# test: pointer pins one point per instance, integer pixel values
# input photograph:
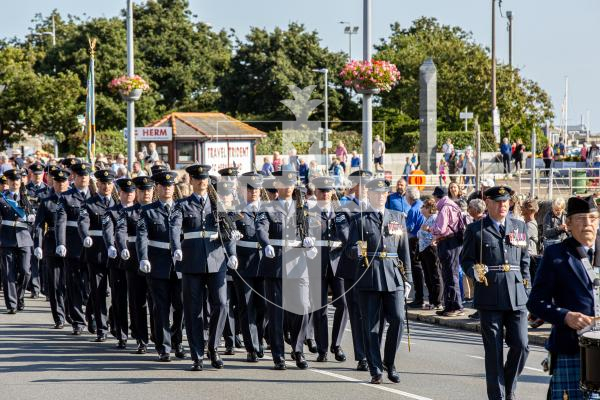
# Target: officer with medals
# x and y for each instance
(45, 245)
(95, 254)
(117, 269)
(36, 189)
(281, 233)
(249, 285)
(15, 243)
(137, 285)
(495, 255)
(69, 245)
(202, 260)
(352, 204)
(565, 293)
(378, 240)
(156, 259)
(330, 230)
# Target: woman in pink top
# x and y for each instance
(341, 153)
(276, 161)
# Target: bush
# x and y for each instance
(274, 142)
(460, 140)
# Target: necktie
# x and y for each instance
(590, 253)
(201, 201)
(106, 201)
(16, 197)
(501, 230)
(168, 208)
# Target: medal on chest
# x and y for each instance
(517, 238)
(394, 228)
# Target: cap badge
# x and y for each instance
(380, 184)
(105, 173)
(501, 191)
(167, 177)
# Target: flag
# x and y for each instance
(90, 107)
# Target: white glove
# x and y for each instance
(178, 255)
(232, 262)
(125, 254)
(112, 252)
(269, 252)
(236, 235)
(476, 274)
(88, 242)
(37, 252)
(145, 266)
(407, 288)
(312, 252)
(308, 242)
(61, 251)
(31, 218)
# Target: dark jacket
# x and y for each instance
(248, 257)
(125, 235)
(153, 241)
(109, 224)
(562, 285)
(66, 222)
(90, 224)
(331, 232)
(505, 290)
(44, 236)
(14, 230)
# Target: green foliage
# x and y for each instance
(274, 142)
(460, 140)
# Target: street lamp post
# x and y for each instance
(349, 30)
(509, 15)
(130, 102)
(367, 111)
(325, 73)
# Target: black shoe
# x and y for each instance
(60, 325)
(164, 357)
(34, 295)
(322, 357)
(77, 331)
(415, 304)
(229, 351)
(261, 352)
(280, 365)
(301, 361)
(475, 315)
(197, 366)
(312, 346)
(142, 348)
(362, 366)
(122, 344)
(251, 357)
(179, 351)
(20, 307)
(238, 342)
(100, 338)
(12, 311)
(92, 328)
(339, 353)
(393, 375)
(293, 356)
(215, 359)
(377, 380)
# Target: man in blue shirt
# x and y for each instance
(506, 150)
(414, 220)
(397, 200)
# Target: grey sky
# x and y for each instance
(552, 38)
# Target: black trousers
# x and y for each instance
(78, 291)
(36, 280)
(57, 288)
(99, 284)
(506, 163)
(501, 377)
(252, 308)
(194, 288)
(340, 316)
(16, 263)
(166, 293)
(353, 304)
(417, 269)
(232, 321)
(137, 291)
(118, 287)
(448, 254)
(433, 274)
(377, 307)
(297, 324)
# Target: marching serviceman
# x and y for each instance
(564, 294)
(95, 254)
(45, 245)
(15, 242)
(379, 241)
(203, 262)
(117, 269)
(36, 190)
(249, 286)
(329, 227)
(137, 285)
(352, 204)
(69, 245)
(153, 244)
(495, 255)
(280, 232)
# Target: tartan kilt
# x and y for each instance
(566, 377)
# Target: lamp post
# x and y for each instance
(130, 102)
(325, 72)
(367, 104)
(2, 87)
(509, 15)
(349, 30)
(50, 33)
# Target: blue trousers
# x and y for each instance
(449, 254)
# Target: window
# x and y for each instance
(185, 152)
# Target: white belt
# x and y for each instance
(285, 243)
(245, 243)
(15, 224)
(160, 245)
(72, 224)
(201, 235)
(328, 243)
(504, 268)
(93, 232)
(131, 239)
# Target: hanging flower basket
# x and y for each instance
(370, 77)
(130, 88)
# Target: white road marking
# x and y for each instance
(529, 368)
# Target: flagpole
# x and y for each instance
(90, 109)
(130, 102)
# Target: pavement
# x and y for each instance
(39, 362)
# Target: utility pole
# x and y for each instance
(509, 15)
(495, 111)
(349, 30)
(367, 111)
(130, 102)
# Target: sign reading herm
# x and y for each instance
(153, 134)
